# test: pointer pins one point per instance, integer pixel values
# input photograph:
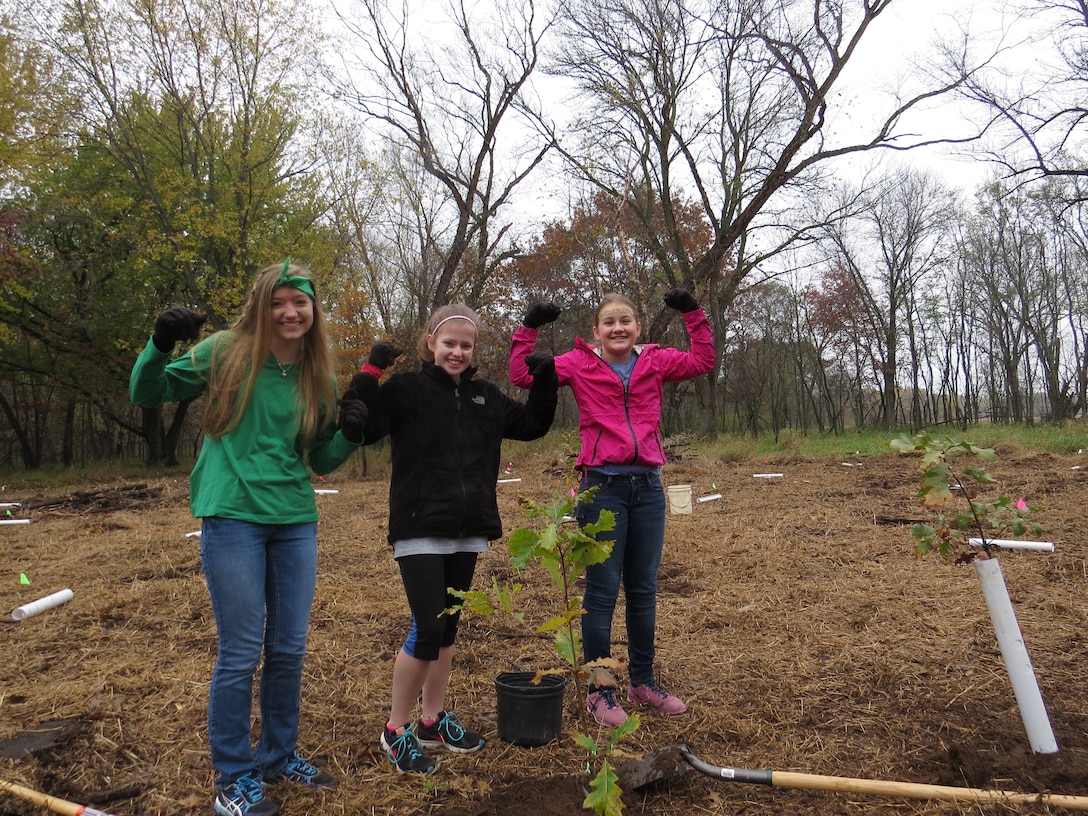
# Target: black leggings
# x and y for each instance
(426, 578)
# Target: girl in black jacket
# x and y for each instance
(446, 429)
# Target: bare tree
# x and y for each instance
(459, 99)
(999, 251)
(893, 246)
(1043, 110)
(730, 99)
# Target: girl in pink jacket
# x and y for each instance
(618, 387)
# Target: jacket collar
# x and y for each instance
(579, 343)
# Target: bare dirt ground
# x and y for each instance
(793, 618)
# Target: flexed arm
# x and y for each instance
(521, 345)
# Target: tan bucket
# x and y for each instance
(680, 499)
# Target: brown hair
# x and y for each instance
(444, 313)
(238, 354)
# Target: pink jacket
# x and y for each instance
(616, 427)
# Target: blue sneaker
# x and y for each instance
(402, 749)
(244, 797)
(301, 772)
(447, 732)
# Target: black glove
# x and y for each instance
(542, 367)
(383, 355)
(682, 300)
(353, 414)
(177, 323)
(361, 387)
(541, 314)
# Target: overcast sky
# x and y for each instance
(902, 39)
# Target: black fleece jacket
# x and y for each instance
(447, 447)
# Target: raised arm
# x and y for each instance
(687, 365)
(521, 345)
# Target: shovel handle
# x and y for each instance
(61, 806)
(911, 790)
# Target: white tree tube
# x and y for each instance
(36, 607)
(1012, 544)
(1015, 654)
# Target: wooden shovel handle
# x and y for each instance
(62, 806)
(915, 790)
(879, 787)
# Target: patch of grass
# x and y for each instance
(1062, 439)
(55, 477)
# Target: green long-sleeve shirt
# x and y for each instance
(256, 472)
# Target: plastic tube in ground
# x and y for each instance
(1011, 544)
(37, 607)
(1015, 654)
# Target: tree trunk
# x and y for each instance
(151, 422)
(30, 453)
(162, 443)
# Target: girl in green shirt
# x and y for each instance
(269, 410)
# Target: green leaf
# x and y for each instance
(587, 744)
(628, 726)
(924, 536)
(568, 645)
(604, 798)
(935, 490)
(605, 522)
(522, 545)
(979, 475)
(904, 444)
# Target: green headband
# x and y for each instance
(303, 284)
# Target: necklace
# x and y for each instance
(283, 368)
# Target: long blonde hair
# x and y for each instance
(239, 353)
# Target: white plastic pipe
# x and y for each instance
(1015, 654)
(37, 607)
(711, 497)
(766, 475)
(326, 492)
(14, 521)
(1011, 544)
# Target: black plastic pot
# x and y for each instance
(529, 715)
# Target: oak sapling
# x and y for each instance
(990, 518)
(564, 550)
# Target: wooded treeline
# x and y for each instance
(160, 152)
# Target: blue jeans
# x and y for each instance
(639, 535)
(261, 578)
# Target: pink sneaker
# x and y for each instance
(604, 708)
(653, 695)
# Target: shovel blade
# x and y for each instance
(661, 764)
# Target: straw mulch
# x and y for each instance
(793, 618)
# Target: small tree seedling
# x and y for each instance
(990, 518)
(564, 550)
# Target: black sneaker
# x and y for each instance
(404, 752)
(244, 797)
(301, 772)
(447, 732)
